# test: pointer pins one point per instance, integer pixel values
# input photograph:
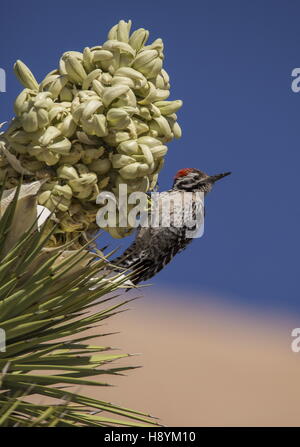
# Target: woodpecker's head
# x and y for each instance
(194, 180)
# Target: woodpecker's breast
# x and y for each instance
(179, 209)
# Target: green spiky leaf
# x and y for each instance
(46, 305)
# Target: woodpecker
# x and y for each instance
(154, 247)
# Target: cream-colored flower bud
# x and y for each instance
(140, 126)
(144, 169)
(62, 146)
(77, 184)
(159, 151)
(58, 112)
(122, 80)
(138, 38)
(87, 60)
(66, 94)
(176, 129)
(68, 126)
(144, 113)
(76, 54)
(123, 31)
(43, 100)
(67, 172)
(130, 171)
(152, 68)
(134, 170)
(95, 74)
(58, 198)
(98, 87)
(157, 44)
(85, 187)
(74, 69)
(48, 79)
(106, 79)
(51, 145)
(91, 106)
(155, 112)
(168, 107)
(161, 95)
(118, 118)
(166, 77)
(30, 121)
(162, 127)
(42, 118)
(25, 76)
(147, 153)
(77, 110)
(82, 95)
(113, 33)
(149, 141)
(161, 81)
(125, 60)
(121, 47)
(129, 147)
(143, 58)
(22, 101)
(49, 136)
(54, 84)
(151, 94)
(138, 79)
(110, 94)
(154, 132)
(44, 197)
(132, 130)
(109, 66)
(101, 56)
(121, 160)
(128, 99)
(32, 109)
(99, 125)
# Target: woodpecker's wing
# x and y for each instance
(152, 249)
(155, 246)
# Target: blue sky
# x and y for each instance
(230, 62)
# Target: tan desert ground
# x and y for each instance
(205, 363)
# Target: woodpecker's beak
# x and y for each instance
(214, 178)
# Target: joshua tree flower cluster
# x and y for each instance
(100, 119)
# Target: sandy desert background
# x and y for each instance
(205, 363)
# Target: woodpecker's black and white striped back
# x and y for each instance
(155, 247)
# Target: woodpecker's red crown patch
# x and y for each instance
(183, 172)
